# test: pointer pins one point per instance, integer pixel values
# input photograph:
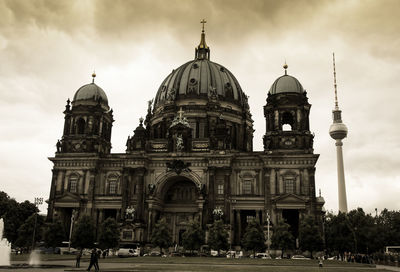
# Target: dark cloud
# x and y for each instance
(48, 49)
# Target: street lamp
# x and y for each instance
(268, 238)
(73, 215)
(38, 201)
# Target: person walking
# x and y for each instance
(93, 260)
(78, 259)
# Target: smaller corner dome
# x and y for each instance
(91, 93)
(286, 84)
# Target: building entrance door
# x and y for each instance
(292, 218)
(180, 206)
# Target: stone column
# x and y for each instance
(211, 193)
(126, 191)
(311, 172)
(62, 181)
(118, 215)
(139, 174)
(267, 190)
(149, 222)
(50, 208)
(272, 182)
(101, 215)
(239, 225)
(281, 185)
(92, 190)
(227, 194)
(298, 187)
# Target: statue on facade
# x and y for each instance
(179, 143)
(58, 145)
(130, 213)
(128, 143)
(218, 213)
(152, 188)
(171, 94)
(213, 93)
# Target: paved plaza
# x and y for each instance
(150, 264)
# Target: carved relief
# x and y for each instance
(192, 86)
(178, 166)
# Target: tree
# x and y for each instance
(161, 235)
(83, 234)
(193, 237)
(218, 237)
(338, 234)
(310, 237)
(253, 238)
(25, 231)
(54, 234)
(362, 227)
(109, 234)
(282, 238)
(14, 215)
(388, 225)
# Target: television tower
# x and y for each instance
(338, 131)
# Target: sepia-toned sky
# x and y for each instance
(48, 49)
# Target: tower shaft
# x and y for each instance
(341, 180)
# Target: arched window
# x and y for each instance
(73, 183)
(81, 126)
(287, 121)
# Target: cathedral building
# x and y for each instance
(190, 157)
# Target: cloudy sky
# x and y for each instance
(48, 49)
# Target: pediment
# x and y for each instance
(289, 198)
(68, 197)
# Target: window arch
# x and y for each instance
(287, 121)
(81, 124)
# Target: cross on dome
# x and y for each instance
(202, 50)
(203, 22)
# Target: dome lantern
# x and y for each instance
(202, 50)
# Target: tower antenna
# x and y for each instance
(334, 83)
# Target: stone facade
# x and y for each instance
(192, 154)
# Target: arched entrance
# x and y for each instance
(181, 204)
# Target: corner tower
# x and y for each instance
(338, 131)
(88, 122)
(287, 117)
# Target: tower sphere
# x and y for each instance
(338, 131)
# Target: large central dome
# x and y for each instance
(200, 78)
(202, 103)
